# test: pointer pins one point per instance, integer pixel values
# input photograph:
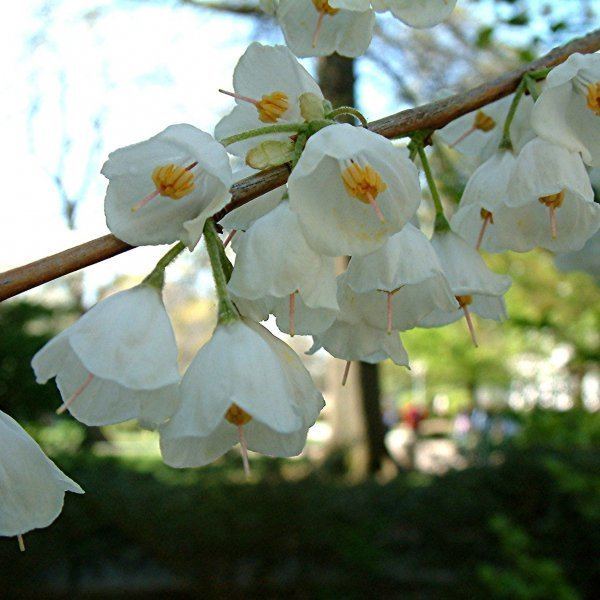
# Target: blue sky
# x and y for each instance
(136, 67)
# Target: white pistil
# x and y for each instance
(293, 314)
(315, 39)
(240, 97)
(470, 325)
(244, 450)
(21, 543)
(553, 226)
(346, 371)
(463, 137)
(229, 238)
(375, 207)
(75, 395)
(390, 297)
(486, 221)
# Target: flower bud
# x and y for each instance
(311, 107)
(270, 154)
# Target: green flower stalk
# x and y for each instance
(227, 312)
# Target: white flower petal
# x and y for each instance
(32, 488)
(163, 220)
(334, 222)
(347, 32)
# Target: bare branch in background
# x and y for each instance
(429, 116)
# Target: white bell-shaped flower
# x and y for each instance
(316, 28)
(550, 201)
(478, 134)
(359, 341)
(352, 189)
(267, 84)
(485, 193)
(243, 385)
(418, 13)
(350, 338)
(397, 286)
(32, 487)
(274, 263)
(568, 109)
(117, 362)
(163, 189)
(476, 288)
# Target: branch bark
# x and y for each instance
(429, 116)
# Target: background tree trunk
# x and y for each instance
(363, 437)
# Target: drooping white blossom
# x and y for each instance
(567, 112)
(350, 338)
(486, 193)
(351, 190)
(550, 201)
(418, 13)
(268, 82)
(32, 487)
(274, 263)
(477, 289)
(163, 189)
(246, 385)
(117, 362)
(316, 28)
(478, 134)
(414, 13)
(397, 286)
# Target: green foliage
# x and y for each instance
(520, 529)
(25, 329)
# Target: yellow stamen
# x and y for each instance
(464, 300)
(483, 121)
(362, 182)
(237, 416)
(271, 106)
(173, 181)
(553, 200)
(593, 97)
(322, 6)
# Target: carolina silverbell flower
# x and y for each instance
(268, 82)
(117, 362)
(485, 193)
(163, 189)
(417, 13)
(351, 190)
(244, 385)
(316, 28)
(478, 134)
(32, 487)
(568, 109)
(476, 288)
(350, 338)
(550, 201)
(397, 286)
(274, 263)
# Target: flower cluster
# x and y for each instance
(322, 27)
(352, 197)
(533, 187)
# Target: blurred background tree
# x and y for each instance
(496, 495)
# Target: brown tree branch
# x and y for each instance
(429, 116)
